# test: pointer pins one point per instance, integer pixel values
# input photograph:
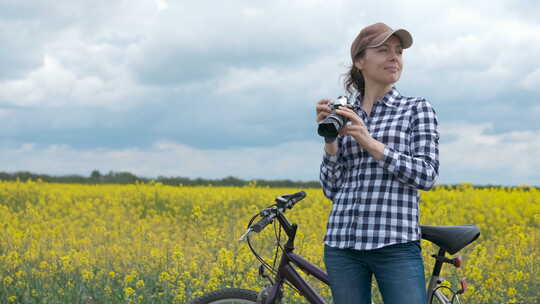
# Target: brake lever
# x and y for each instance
(266, 212)
(245, 235)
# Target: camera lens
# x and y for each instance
(330, 126)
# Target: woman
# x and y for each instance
(372, 174)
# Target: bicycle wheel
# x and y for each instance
(228, 296)
(444, 296)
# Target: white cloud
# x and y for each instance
(465, 49)
(238, 79)
(471, 153)
(313, 78)
(129, 53)
(162, 5)
(468, 54)
(532, 81)
(474, 148)
(54, 84)
(293, 160)
(252, 12)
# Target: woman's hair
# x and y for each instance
(354, 80)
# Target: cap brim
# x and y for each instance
(403, 35)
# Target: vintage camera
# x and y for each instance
(330, 126)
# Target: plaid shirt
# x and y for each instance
(375, 202)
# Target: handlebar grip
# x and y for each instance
(298, 196)
(291, 199)
(260, 225)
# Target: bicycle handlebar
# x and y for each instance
(260, 225)
(289, 200)
(283, 202)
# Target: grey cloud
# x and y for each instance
(29, 27)
(80, 127)
(194, 43)
(179, 65)
(21, 49)
(207, 121)
(22, 10)
(212, 76)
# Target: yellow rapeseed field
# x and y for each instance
(150, 243)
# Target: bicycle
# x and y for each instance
(449, 239)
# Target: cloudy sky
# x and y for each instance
(201, 89)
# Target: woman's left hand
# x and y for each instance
(357, 129)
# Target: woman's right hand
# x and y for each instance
(322, 109)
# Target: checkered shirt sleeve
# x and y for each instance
(420, 169)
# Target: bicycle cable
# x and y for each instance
(283, 249)
(278, 240)
(259, 258)
(265, 264)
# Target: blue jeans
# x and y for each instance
(398, 269)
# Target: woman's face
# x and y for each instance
(382, 64)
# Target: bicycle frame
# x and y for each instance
(287, 273)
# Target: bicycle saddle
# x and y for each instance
(450, 238)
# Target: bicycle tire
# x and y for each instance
(447, 295)
(228, 296)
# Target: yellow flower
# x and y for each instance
(43, 265)
(12, 299)
(129, 278)
(8, 280)
(55, 233)
(128, 291)
(87, 275)
(165, 277)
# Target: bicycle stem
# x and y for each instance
(290, 230)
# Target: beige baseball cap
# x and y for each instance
(375, 35)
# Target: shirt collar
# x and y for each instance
(391, 99)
